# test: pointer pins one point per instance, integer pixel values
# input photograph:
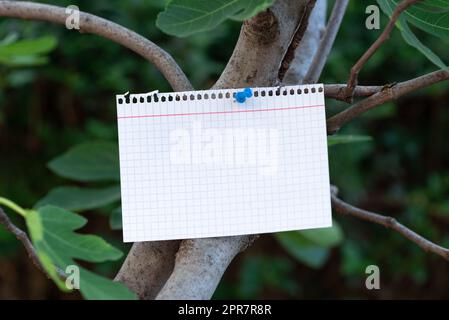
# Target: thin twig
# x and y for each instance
(353, 76)
(296, 39)
(28, 245)
(90, 23)
(337, 91)
(22, 237)
(388, 222)
(326, 43)
(386, 94)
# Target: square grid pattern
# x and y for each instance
(256, 167)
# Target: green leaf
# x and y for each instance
(10, 38)
(252, 7)
(431, 17)
(185, 17)
(303, 250)
(95, 287)
(413, 41)
(22, 61)
(55, 230)
(52, 232)
(28, 47)
(28, 52)
(324, 237)
(409, 37)
(77, 199)
(115, 219)
(341, 138)
(92, 161)
(311, 246)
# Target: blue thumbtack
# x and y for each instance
(241, 96)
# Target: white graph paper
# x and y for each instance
(199, 164)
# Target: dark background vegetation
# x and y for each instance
(402, 172)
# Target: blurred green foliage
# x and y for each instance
(48, 109)
(22, 53)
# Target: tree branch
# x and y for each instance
(200, 264)
(261, 46)
(22, 237)
(337, 91)
(387, 93)
(327, 42)
(388, 222)
(308, 46)
(90, 23)
(28, 245)
(385, 35)
(296, 39)
(148, 266)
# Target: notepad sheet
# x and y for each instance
(199, 164)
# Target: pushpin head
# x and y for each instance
(240, 97)
(248, 92)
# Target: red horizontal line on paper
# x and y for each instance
(216, 112)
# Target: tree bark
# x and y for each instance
(256, 60)
(147, 267)
(309, 46)
(200, 264)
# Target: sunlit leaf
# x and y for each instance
(28, 52)
(28, 47)
(52, 232)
